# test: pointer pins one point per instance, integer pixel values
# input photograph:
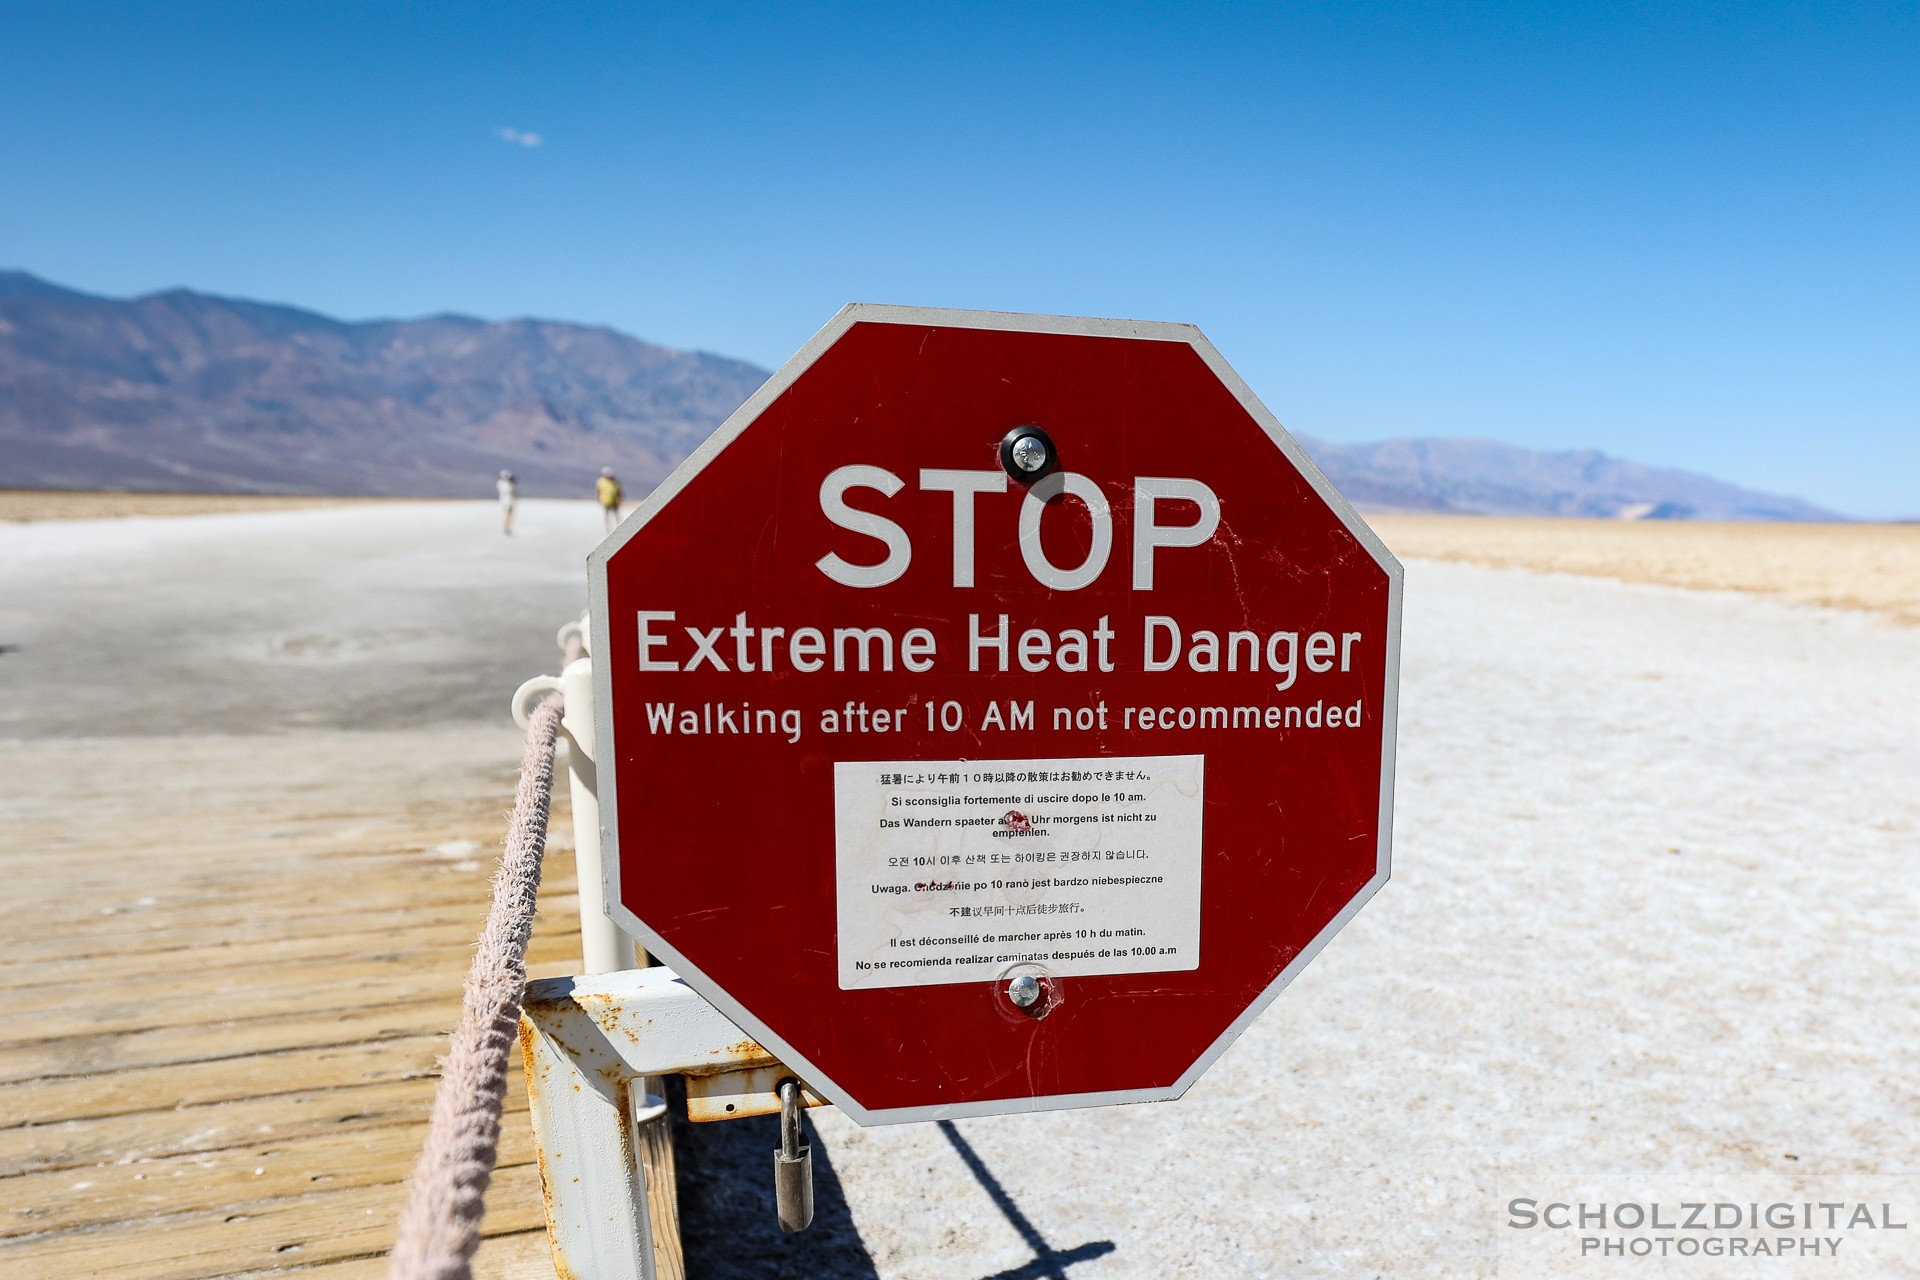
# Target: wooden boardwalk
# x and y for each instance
(234, 965)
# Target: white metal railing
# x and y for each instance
(596, 1047)
(604, 946)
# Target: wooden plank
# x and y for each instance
(216, 1126)
(228, 1001)
(440, 933)
(319, 988)
(519, 1255)
(275, 893)
(187, 1040)
(275, 898)
(319, 1226)
(165, 1046)
(295, 898)
(657, 1170)
(276, 1000)
(264, 1169)
(92, 832)
(321, 919)
(194, 1083)
(93, 841)
(158, 923)
(80, 975)
(105, 862)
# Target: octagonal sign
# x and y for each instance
(995, 713)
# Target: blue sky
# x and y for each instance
(1688, 235)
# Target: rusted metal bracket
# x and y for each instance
(587, 1042)
(730, 1095)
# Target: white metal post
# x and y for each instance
(605, 946)
(632, 1107)
(599, 1119)
(587, 1042)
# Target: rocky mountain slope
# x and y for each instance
(185, 391)
(180, 390)
(1489, 478)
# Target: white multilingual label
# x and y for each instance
(964, 870)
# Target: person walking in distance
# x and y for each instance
(509, 490)
(609, 490)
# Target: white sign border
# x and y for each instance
(605, 756)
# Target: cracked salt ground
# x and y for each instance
(1646, 938)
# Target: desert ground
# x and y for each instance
(20, 506)
(1873, 567)
(1651, 933)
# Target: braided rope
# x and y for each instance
(440, 1227)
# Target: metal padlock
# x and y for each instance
(792, 1165)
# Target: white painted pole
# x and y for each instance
(647, 1239)
(606, 947)
(590, 1042)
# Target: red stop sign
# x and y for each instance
(995, 713)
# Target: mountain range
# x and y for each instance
(180, 390)
(187, 391)
(1485, 477)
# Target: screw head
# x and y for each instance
(1024, 990)
(1027, 454)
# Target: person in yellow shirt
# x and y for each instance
(608, 489)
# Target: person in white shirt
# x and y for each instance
(509, 489)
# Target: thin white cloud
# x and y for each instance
(519, 137)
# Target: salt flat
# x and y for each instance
(1651, 933)
(363, 616)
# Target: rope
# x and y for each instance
(440, 1227)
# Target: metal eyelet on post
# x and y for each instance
(792, 1165)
